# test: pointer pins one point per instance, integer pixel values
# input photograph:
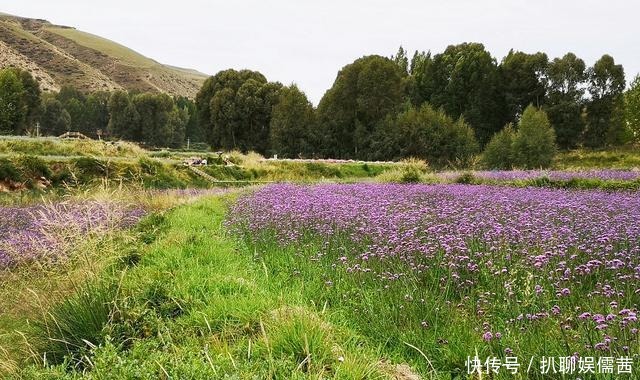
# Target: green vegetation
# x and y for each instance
(224, 311)
(531, 146)
(618, 158)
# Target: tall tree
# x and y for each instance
(55, 120)
(606, 86)
(632, 108)
(154, 111)
(13, 110)
(31, 97)
(524, 77)
(97, 117)
(178, 120)
(74, 102)
(124, 120)
(464, 81)
(363, 94)
(193, 129)
(292, 124)
(220, 128)
(565, 99)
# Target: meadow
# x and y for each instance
(345, 270)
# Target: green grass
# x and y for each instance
(193, 303)
(617, 158)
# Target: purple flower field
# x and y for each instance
(45, 232)
(511, 257)
(560, 175)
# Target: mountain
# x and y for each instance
(57, 55)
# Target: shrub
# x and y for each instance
(411, 170)
(34, 167)
(498, 154)
(534, 146)
(427, 134)
(8, 172)
(90, 166)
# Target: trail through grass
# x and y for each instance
(193, 303)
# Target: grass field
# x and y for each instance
(335, 281)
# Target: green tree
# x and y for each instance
(154, 111)
(292, 124)
(55, 120)
(498, 154)
(427, 134)
(401, 60)
(534, 145)
(221, 127)
(565, 94)
(464, 80)
(524, 80)
(124, 120)
(97, 114)
(193, 129)
(13, 110)
(74, 102)
(632, 108)
(31, 97)
(606, 86)
(363, 94)
(178, 120)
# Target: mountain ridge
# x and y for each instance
(60, 55)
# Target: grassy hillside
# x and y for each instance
(59, 55)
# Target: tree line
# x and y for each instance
(443, 107)
(157, 120)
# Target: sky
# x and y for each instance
(307, 42)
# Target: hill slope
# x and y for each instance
(59, 55)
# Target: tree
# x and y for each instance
(74, 102)
(524, 80)
(97, 114)
(193, 129)
(401, 60)
(632, 108)
(55, 120)
(222, 126)
(292, 124)
(427, 134)
(534, 145)
(464, 80)
(498, 154)
(564, 103)
(124, 120)
(31, 97)
(363, 94)
(13, 110)
(178, 120)
(154, 110)
(606, 85)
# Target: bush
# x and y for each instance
(8, 172)
(34, 167)
(427, 134)
(91, 167)
(534, 146)
(411, 170)
(498, 154)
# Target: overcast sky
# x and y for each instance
(307, 42)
